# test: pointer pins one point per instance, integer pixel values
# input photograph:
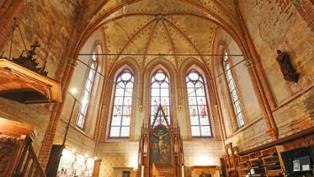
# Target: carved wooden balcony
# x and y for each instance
(26, 86)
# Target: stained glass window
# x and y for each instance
(160, 96)
(198, 106)
(232, 90)
(121, 109)
(87, 91)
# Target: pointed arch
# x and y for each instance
(211, 98)
(125, 62)
(198, 104)
(93, 64)
(232, 88)
(198, 101)
(165, 95)
(112, 74)
(121, 106)
(160, 97)
(223, 67)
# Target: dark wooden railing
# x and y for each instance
(28, 164)
(17, 157)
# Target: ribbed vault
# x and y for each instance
(159, 27)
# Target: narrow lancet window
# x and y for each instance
(160, 96)
(233, 91)
(122, 103)
(87, 91)
(198, 106)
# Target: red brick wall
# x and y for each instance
(306, 10)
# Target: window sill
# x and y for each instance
(80, 130)
(202, 137)
(211, 138)
(77, 129)
(244, 127)
(124, 139)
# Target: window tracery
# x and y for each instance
(160, 96)
(121, 109)
(198, 106)
(87, 91)
(233, 91)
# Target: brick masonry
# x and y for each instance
(50, 23)
(276, 25)
(306, 10)
(272, 25)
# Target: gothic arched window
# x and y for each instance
(232, 90)
(121, 109)
(160, 96)
(198, 106)
(87, 91)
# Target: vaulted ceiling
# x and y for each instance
(159, 27)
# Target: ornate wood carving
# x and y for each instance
(17, 156)
(161, 150)
(21, 84)
(9, 147)
(28, 61)
(160, 140)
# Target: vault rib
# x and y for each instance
(191, 43)
(186, 38)
(171, 44)
(131, 39)
(148, 42)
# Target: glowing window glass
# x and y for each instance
(198, 106)
(232, 91)
(160, 96)
(121, 109)
(87, 91)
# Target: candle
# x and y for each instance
(182, 170)
(142, 171)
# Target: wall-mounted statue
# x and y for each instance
(287, 69)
